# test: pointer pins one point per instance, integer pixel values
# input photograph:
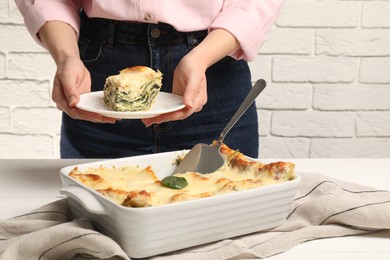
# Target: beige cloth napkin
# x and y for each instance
(323, 208)
(48, 233)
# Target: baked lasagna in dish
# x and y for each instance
(133, 89)
(133, 186)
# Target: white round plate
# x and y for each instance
(164, 103)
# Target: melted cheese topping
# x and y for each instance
(136, 187)
(135, 78)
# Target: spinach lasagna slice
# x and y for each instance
(133, 89)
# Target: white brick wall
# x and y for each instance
(327, 64)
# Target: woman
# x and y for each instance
(201, 47)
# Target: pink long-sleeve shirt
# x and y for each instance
(247, 20)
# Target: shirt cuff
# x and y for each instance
(249, 28)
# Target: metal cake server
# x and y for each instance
(204, 158)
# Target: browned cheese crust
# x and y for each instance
(132, 186)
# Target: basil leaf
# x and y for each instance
(174, 182)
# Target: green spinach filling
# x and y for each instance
(127, 101)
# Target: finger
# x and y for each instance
(190, 94)
(59, 98)
(195, 95)
(85, 84)
(200, 101)
(58, 95)
(80, 114)
(70, 81)
(172, 116)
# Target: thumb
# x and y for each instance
(71, 92)
(190, 93)
(70, 83)
(195, 93)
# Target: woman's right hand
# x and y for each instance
(72, 79)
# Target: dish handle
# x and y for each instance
(84, 198)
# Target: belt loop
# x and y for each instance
(110, 37)
(192, 41)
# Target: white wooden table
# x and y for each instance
(28, 184)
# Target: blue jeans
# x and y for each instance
(108, 46)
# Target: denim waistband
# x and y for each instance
(114, 31)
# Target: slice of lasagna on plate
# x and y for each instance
(133, 89)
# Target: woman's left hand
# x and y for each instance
(189, 81)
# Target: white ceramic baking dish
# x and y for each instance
(144, 232)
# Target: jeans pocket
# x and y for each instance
(91, 50)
